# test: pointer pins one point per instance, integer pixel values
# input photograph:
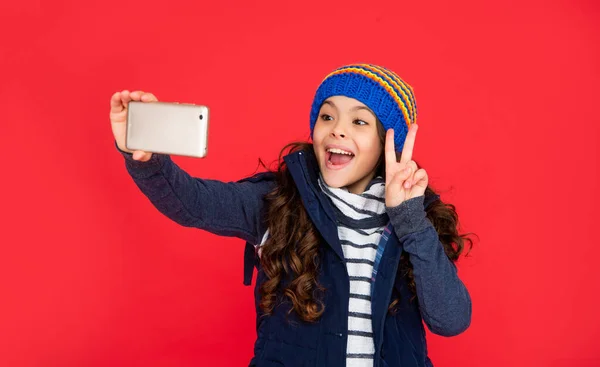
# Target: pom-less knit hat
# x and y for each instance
(380, 89)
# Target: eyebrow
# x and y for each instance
(355, 108)
(330, 103)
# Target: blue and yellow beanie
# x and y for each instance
(392, 99)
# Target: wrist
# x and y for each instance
(409, 216)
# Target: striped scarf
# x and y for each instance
(361, 220)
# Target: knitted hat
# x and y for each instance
(380, 89)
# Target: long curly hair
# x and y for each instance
(290, 256)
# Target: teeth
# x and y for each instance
(338, 151)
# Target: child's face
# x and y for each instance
(349, 128)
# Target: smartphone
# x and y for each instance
(168, 128)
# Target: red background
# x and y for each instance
(93, 275)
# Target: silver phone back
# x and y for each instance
(168, 128)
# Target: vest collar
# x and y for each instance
(304, 169)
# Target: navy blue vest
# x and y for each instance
(286, 340)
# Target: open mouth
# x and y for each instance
(336, 158)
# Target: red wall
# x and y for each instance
(93, 275)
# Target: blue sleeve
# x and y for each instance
(444, 301)
(223, 208)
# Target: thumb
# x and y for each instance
(140, 155)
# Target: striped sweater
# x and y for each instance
(361, 220)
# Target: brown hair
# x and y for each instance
(290, 256)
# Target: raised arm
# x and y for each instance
(222, 208)
(444, 300)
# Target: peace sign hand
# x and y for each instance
(402, 179)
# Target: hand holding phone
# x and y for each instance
(118, 118)
(143, 126)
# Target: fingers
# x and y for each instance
(140, 155)
(139, 95)
(119, 100)
(148, 97)
(420, 178)
(412, 166)
(116, 105)
(136, 95)
(402, 176)
(125, 98)
(409, 144)
(390, 152)
(395, 192)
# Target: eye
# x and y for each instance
(360, 122)
(326, 117)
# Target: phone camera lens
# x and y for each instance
(201, 117)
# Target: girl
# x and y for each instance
(354, 251)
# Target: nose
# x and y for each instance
(338, 130)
